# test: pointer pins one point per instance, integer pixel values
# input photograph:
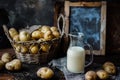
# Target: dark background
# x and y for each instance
(19, 13)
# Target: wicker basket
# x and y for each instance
(40, 57)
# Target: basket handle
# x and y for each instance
(7, 32)
(61, 16)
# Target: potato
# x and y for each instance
(34, 49)
(44, 29)
(37, 34)
(13, 32)
(1, 64)
(23, 49)
(17, 47)
(16, 38)
(45, 73)
(24, 36)
(108, 63)
(6, 57)
(53, 28)
(56, 34)
(102, 74)
(41, 39)
(14, 65)
(48, 35)
(109, 67)
(90, 75)
(45, 47)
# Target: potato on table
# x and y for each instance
(6, 57)
(90, 75)
(45, 73)
(14, 65)
(109, 67)
(102, 74)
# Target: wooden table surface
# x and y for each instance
(28, 73)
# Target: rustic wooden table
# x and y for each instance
(28, 71)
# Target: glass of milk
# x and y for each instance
(76, 53)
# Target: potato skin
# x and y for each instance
(24, 36)
(37, 34)
(44, 29)
(102, 74)
(23, 49)
(109, 67)
(34, 49)
(108, 63)
(45, 73)
(45, 47)
(48, 35)
(53, 28)
(6, 57)
(13, 32)
(90, 75)
(14, 65)
(56, 34)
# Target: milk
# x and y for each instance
(76, 59)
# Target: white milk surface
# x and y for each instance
(76, 59)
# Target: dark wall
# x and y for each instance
(29, 12)
(3, 20)
(113, 28)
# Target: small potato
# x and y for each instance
(45, 73)
(16, 38)
(48, 35)
(45, 47)
(23, 49)
(17, 47)
(90, 75)
(14, 65)
(24, 36)
(109, 67)
(1, 64)
(37, 34)
(102, 74)
(56, 34)
(13, 32)
(6, 57)
(44, 29)
(108, 63)
(34, 49)
(41, 39)
(53, 28)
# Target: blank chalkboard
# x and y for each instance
(90, 19)
(87, 20)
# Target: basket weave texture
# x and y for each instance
(40, 57)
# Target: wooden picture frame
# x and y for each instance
(99, 7)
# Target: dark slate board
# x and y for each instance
(87, 20)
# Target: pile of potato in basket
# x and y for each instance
(42, 34)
